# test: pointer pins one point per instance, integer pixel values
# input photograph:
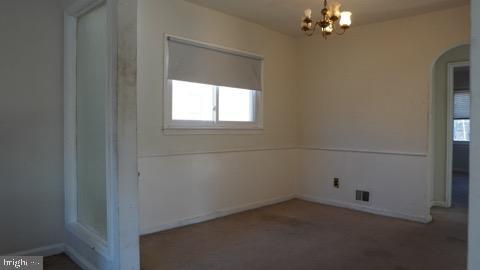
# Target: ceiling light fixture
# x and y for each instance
(328, 24)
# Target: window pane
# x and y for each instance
(461, 130)
(236, 104)
(91, 147)
(192, 101)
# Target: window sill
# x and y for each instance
(213, 131)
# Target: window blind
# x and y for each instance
(461, 108)
(196, 62)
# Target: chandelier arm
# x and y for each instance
(336, 31)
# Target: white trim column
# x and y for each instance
(128, 253)
(474, 206)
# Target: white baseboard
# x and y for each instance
(214, 215)
(41, 251)
(439, 204)
(368, 209)
(78, 259)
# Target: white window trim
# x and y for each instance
(449, 138)
(171, 126)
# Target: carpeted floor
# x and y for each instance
(303, 235)
(59, 262)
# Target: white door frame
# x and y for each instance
(102, 250)
(449, 142)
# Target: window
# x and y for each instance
(209, 87)
(461, 130)
(209, 103)
(461, 115)
(193, 101)
(236, 104)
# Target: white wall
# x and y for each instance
(474, 192)
(176, 190)
(31, 124)
(368, 91)
(388, 177)
(187, 176)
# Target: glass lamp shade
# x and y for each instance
(308, 13)
(345, 19)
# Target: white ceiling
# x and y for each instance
(284, 15)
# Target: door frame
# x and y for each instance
(449, 138)
(105, 248)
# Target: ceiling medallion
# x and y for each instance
(328, 23)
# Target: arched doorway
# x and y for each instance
(440, 141)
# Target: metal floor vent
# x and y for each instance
(363, 196)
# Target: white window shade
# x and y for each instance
(196, 62)
(461, 105)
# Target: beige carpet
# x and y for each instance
(303, 235)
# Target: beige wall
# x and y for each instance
(158, 17)
(31, 125)
(184, 176)
(439, 117)
(369, 91)
(369, 88)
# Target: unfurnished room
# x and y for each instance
(240, 134)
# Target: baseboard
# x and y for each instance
(41, 251)
(439, 204)
(214, 215)
(368, 209)
(79, 259)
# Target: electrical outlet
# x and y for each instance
(336, 182)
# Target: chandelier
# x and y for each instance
(331, 15)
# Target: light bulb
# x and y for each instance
(328, 29)
(345, 19)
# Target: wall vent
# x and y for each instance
(363, 196)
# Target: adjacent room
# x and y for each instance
(228, 134)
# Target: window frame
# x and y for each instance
(195, 125)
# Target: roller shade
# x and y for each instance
(200, 63)
(461, 108)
